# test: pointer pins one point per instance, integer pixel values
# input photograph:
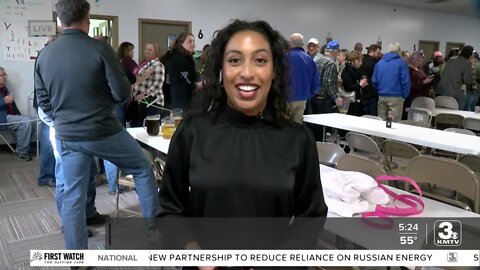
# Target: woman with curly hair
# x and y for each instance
(237, 154)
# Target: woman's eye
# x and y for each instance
(261, 60)
(234, 60)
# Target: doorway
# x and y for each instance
(428, 47)
(163, 32)
(100, 25)
(451, 45)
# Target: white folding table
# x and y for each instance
(465, 114)
(437, 139)
(157, 142)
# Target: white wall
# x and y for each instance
(349, 21)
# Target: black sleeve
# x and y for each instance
(350, 83)
(310, 208)
(131, 78)
(174, 190)
(308, 193)
(172, 220)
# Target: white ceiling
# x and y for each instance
(459, 7)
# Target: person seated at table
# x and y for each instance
(11, 119)
(228, 158)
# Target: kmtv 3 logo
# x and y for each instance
(448, 233)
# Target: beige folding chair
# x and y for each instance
(329, 153)
(419, 115)
(448, 120)
(449, 174)
(5, 132)
(446, 102)
(365, 146)
(357, 163)
(472, 124)
(423, 103)
(461, 130)
(452, 154)
(8, 136)
(403, 154)
(472, 162)
(421, 110)
(158, 166)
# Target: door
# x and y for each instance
(161, 31)
(101, 25)
(428, 47)
(451, 45)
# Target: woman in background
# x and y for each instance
(420, 82)
(147, 89)
(125, 54)
(353, 83)
(182, 73)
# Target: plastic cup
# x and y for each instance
(345, 105)
(168, 127)
(177, 115)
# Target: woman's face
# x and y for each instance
(247, 72)
(341, 58)
(131, 52)
(357, 63)
(150, 53)
(189, 44)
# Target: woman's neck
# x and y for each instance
(414, 67)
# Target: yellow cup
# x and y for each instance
(168, 127)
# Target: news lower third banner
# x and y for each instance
(255, 258)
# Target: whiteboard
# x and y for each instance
(16, 45)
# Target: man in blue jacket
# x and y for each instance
(391, 79)
(304, 79)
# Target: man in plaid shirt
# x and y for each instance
(328, 98)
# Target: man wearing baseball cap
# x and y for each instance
(328, 95)
(434, 67)
(328, 98)
(312, 47)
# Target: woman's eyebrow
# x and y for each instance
(237, 51)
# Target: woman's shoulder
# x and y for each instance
(299, 129)
(157, 63)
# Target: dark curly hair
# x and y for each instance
(214, 95)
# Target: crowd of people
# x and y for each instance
(244, 104)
